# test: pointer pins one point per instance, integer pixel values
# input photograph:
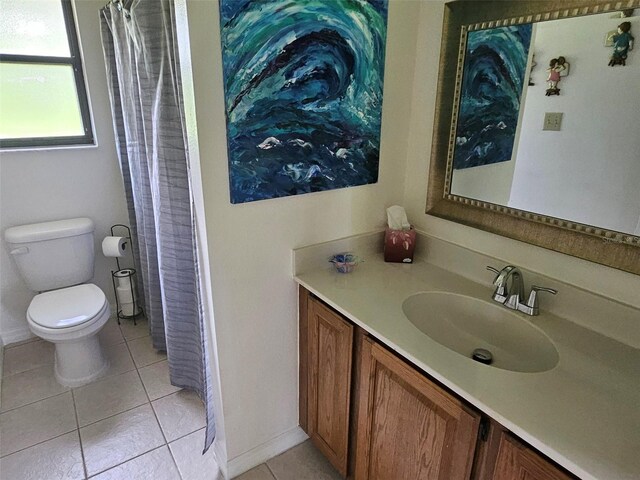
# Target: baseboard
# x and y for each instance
(264, 452)
(15, 335)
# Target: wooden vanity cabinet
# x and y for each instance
(329, 350)
(408, 427)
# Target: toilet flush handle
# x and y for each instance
(19, 251)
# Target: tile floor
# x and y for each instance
(130, 424)
(303, 462)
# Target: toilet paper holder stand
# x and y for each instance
(123, 280)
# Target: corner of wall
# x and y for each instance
(425, 82)
(1, 361)
(264, 452)
(186, 71)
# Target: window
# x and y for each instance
(43, 99)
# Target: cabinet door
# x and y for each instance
(408, 427)
(518, 462)
(330, 345)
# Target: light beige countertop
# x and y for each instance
(584, 413)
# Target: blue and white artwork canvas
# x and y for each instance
(303, 94)
(494, 73)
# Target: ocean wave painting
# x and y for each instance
(303, 94)
(494, 72)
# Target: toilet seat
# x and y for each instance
(68, 309)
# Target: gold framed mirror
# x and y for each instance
(601, 240)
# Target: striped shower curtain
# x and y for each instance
(141, 56)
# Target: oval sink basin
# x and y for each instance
(465, 324)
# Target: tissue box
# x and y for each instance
(399, 245)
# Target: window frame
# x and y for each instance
(75, 62)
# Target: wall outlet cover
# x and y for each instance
(552, 121)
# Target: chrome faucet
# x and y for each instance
(512, 296)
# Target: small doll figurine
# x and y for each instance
(557, 68)
(622, 42)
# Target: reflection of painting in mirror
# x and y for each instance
(589, 171)
(494, 72)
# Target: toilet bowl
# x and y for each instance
(71, 318)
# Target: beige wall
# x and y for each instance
(255, 302)
(61, 183)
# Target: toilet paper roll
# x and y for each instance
(124, 277)
(127, 309)
(124, 295)
(114, 246)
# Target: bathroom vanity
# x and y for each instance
(382, 399)
(388, 388)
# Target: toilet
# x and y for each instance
(55, 259)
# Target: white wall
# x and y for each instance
(590, 170)
(488, 183)
(64, 183)
(255, 300)
(613, 283)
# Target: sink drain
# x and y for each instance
(483, 356)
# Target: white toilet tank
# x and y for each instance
(53, 255)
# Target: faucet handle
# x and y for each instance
(501, 293)
(535, 288)
(494, 270)
(532, 306)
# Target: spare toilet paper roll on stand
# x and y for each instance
(125, 291)
(114, 246)
(123, 278)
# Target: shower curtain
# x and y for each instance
(141, 57)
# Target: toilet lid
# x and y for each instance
(67, 307)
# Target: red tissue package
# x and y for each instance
(399, 245)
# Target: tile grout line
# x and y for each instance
(21, 342)
(84, 462)
(36, 401)
(156, 415)
(149, 401)
(166, 444)
(270, 471)
(39, 443)
(126, 343)
(4, 354)
(126, 461)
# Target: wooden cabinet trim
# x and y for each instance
(365, 410)
(337, 346)
(303, 358)
(487, 451)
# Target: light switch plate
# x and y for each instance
(552, 121)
